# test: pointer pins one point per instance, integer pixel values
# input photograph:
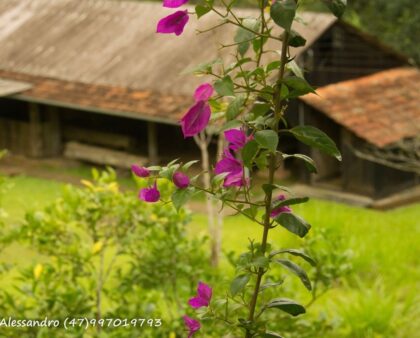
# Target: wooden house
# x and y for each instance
(92, 80)
(94, 75)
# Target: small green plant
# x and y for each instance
(101, 254)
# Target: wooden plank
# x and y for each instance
(100, 155)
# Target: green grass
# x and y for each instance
(386, 254)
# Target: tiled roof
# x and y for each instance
(382, 108)
(140, 104)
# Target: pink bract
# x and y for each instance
(181, 180)
(192, 325)
(196, 119)
(279, 210)
(140, 171)
(204, 293)
(203, 92)
(173, 3)
(173, 23)
(150, 194)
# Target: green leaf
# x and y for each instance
(337, 7)
(187, 165)
(238, 284)
(260, 109)
(270, 334)
(234, 108)
(273, 66)
(249, 151)
(290, 201)
(244, 36)
(309, 162)
(203, 68)
(261, 161)
(316, 138)
(296, 40)
(231, 125)
(201, 10)
(287, 305)
(260, 262)
(270, 285)
(267, 139)
(181, 196)
(216, 180)
(252, 211)
(270, 187)
(294, 252)
(297, 270)
(293, 223)
(283, 13)
(294, 68)
(297, 86)
(224, 87)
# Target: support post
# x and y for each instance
(152, 143)
(35, 131)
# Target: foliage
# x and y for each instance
(104, 256)
(395, 22)
(246, 102)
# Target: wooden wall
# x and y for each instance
(342, 53)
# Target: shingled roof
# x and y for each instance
(112, 44)
(382, 108)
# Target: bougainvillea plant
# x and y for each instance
(247, 99)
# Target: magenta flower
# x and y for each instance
(279, 210)
(203, 92)
(173, 3)
(204, 293)
(181, 180)
(192, 325)
(150, 194)
(196, 119)
(140, 171)
(234, 169)
(173, 23)
(237, 138)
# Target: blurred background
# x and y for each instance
(87, 89)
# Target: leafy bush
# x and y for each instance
(103, 254)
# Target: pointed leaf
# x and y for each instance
(238, 284)
(267, 139)
(287, 305)
(337, 7)
(297, 86)
(283, 13)
(270, 334)
(224, 87)
(234, 107)
(309, 162)
(181, 196)
(293, 223)
(201, 10)
(297, 270)
(316, 138)
(249, 151)
(294, 252)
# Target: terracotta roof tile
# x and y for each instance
(382, 108)
(139, 104)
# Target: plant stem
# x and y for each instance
(269, 194)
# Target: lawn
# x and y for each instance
(384, 246)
